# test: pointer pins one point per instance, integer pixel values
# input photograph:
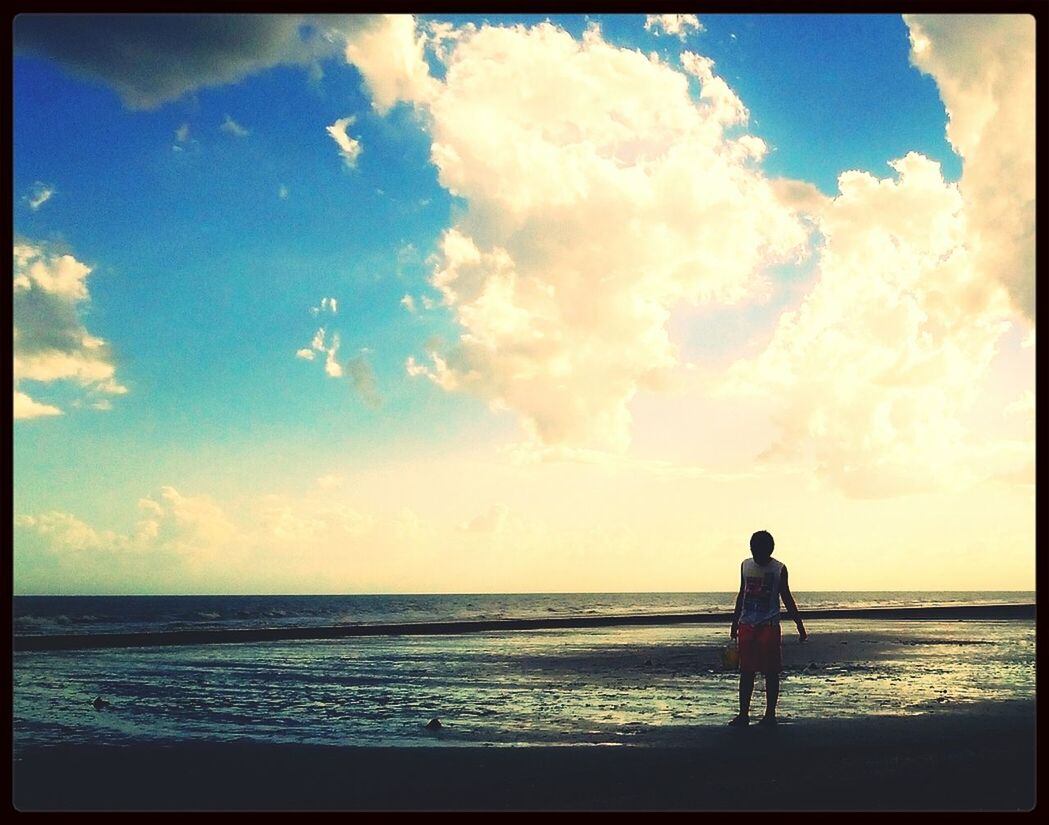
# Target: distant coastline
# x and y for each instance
(196, 637)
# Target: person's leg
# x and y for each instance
(771, 694)
(746, 690)
(773, 663)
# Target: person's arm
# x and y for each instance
(792, 606)
(739, 605)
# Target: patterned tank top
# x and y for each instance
(760, 592)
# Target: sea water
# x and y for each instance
(604, 685)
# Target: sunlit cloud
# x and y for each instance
(621, 199)
(182, 540)
(50, 340)
(26, 407)
(326, 305)
(331, 365)
(984, 66)
(677, 25)
(870, 378)
(725, 106)
(390, 55)
(349, 148)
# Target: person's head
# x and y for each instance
(761, 546)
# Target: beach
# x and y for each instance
(980, 758)
(876, 713)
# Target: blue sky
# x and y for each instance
(208, 247)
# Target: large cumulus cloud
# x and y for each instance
(599, 194)
(870, 378)
(984, 67)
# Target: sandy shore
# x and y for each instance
(979, 757)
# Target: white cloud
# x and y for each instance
(326, 305)
(414, 368)
(231, 127)
(442, 36)
(194, 542)
(282, 192)
(39, 194)
(360, 373)
(673, 24)
(66, 531)
(599, 197)
(182, 133)
(50, 341)
(408, 303)
(318, 345)
(331, 365)
(724, 105)
(984, 66)
(870, 377)
(312, 517)
(390, 57)
(26, 407)
(349, 148)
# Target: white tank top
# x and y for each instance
(760, 592)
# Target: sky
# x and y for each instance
(431, 304)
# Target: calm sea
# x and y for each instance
(144, 614)
(604, 685)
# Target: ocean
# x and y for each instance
(596, 685)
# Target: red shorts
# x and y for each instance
(759, 648)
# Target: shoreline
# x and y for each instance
(977, 759)
(240, 636)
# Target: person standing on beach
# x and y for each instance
(763, 581)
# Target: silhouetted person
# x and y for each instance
(762, 581)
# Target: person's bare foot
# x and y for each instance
(740, 721)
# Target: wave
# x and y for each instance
(290, 633)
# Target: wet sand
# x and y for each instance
(976, 757)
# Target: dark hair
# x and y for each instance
(761, 546)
